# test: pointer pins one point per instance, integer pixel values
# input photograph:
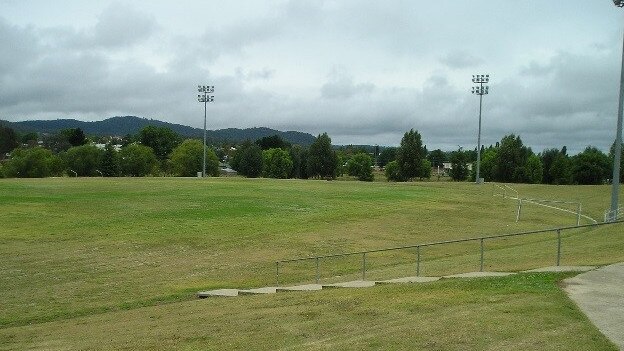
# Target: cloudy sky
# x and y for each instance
(362, 71)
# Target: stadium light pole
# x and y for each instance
(615, 189)
(480, 90)
(204, 97)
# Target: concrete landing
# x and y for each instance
(267, 290)
(408, 280)
(599, 294)
(306, 287)
(219, 292)
(353, 284)
(562, 269)
(479, 275)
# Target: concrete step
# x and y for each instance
(267, 290)
(352, 284)
(218, 292)
(479, 275)
(406, 280)
(562, 269)
(305, 287)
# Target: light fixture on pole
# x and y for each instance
(204, 97)
(480, 90)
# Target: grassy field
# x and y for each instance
(84, 259)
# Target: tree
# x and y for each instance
(276, 163)
(322, 160)
(298, 156)
(272, 142)
(74, 136)
(511, 159)
(110, 162)
(410, 155)
(34, 162)
(361, 166)
(161, 139)
(534, 170)
(459, 166)
(392, 172)
(488, 164)
(561, 170)
(247, 160)
(84, 160)
(8, 140)
(187, 159)
(436, 157)
(590, 167)
(138, 160)
(426, 169)
(388, 154)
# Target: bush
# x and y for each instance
(360, 166)
(393, 173)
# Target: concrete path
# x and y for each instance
(600, 295)
(479, 275)
(562, 269)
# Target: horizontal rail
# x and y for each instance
(447, 242)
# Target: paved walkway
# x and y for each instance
(600, 295)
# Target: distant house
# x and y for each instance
(117, 147)
(448, 166)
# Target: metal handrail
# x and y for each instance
(444, 242)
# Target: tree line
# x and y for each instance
(156, 151)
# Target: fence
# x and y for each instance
(482, 240)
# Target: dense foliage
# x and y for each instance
(160, 151)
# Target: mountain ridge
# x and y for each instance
(124, 125)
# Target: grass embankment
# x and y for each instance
(79, 247)
(523, 312)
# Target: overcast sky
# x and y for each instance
(365, 72)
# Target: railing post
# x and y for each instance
(558, 247)
(481, 269)
(364, 266)
(578, 214)
(317, 271)
(277, 273)
(418, 260)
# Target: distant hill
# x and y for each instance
(120, 126)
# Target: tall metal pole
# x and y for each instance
(204, 162)
(480, 90)
(205, 98)
(615, 189)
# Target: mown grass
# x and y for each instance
(523, 312)
(81, 247)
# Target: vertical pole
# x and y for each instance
(519, 210)
(204, 163)
(317, 271)
(558, 247)
(615, 190)
(479, 139)
(364, 266)
(418, 260)
(481, 269)
(578, 214)
(277, 273)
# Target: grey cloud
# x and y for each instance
(342, 86)
(461, 59)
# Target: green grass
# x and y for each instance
(110, 248)
(523, 312)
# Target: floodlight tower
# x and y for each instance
(204, 90)
(615, 189)
(480, 90)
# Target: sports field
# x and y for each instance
(101, 263)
